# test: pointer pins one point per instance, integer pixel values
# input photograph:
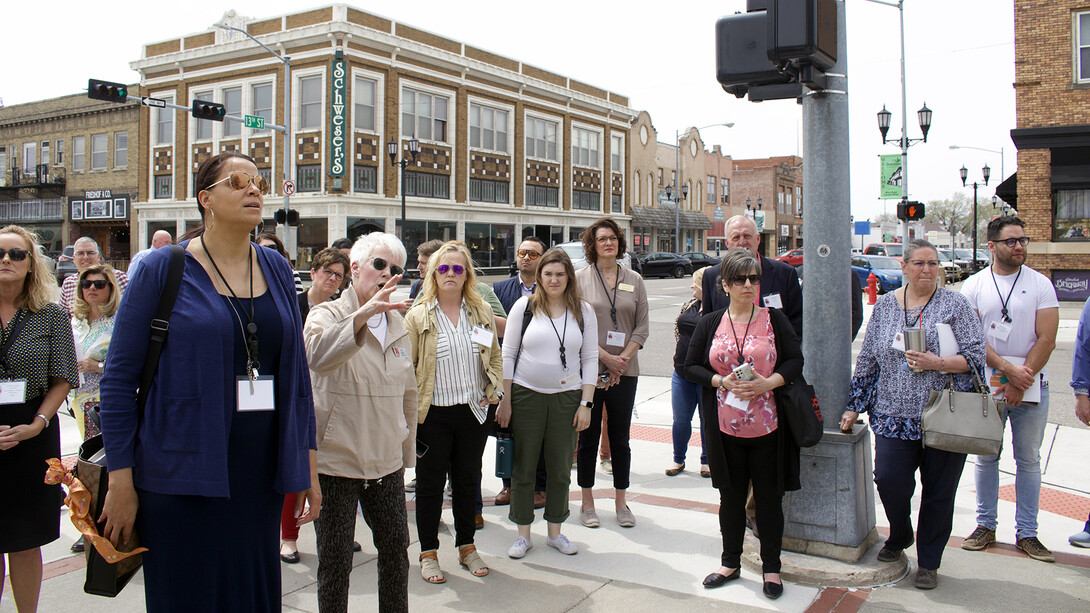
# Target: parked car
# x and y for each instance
(700, 260)
(665, 264)
(793, 257)
(574, 249)
(893, 250)
(982, 261)
(886, 268)
(66, 266)
(952, 270)
(963, 264)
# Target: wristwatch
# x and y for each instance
(499, 394)
(101, 365)
(588, 404)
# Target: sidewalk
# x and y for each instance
(659, 564)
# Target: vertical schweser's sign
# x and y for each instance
(337, 118)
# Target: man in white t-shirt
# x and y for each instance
(1020, 313)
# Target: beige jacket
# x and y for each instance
(364, 396)
(423, 331)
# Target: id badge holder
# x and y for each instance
(257, 394)
(999, 330)
(12, 391)
(615, 338)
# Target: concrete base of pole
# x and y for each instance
(822, 571)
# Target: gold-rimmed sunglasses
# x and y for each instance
(240, 180)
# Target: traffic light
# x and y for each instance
(910, 210)
(107, 90)
(203, 109)
(290, 218)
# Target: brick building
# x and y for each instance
(770, 191)
(1052, 85)
(67, 172)
(506, 149)
(718, 204)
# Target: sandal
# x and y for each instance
(468, 557)
(429, 567)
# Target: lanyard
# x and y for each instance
(1006, 317)
(613, 300)
(919, 319)
(745, 335)
(559, 337)
(250, 331)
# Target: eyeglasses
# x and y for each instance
(85, 254)
(336, 275)
(741, 279)
(98, 283)
(922, 263)
(239, 180)
(445, 268)
(1011, 242)
(380, 265)
(607, 239)
(16, 254)
(526, 253)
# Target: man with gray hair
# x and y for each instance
(161, 238)
(85, 254)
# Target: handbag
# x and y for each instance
(103, 577)
(964, 422)
(803, 412)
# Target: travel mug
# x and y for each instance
(915, 340)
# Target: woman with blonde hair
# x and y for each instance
(459, 372)
(38, 362)
(93, 310)
(685, 394)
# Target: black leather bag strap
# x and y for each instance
(160, 326)
(527, 315)
(16, 328)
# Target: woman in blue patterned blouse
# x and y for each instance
(886, 386)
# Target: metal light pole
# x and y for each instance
(677, 209)
(391, 148)
(1002, 159)
(684, 193)
(987, 172)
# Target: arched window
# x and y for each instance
(637, 184)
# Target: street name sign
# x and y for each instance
(254, 121)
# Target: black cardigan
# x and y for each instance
(788, 364)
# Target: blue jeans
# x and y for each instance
(685, 396)
(1028, 423)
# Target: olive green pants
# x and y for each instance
(542, 421)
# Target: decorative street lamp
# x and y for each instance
(677, 209)
(414, 148)
(987, 172)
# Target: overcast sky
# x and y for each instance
(959, 60)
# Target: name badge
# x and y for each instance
(400, 353)
(12, 391)
(773, 301)
(898, 341)
(615, 338)
(1000, 330)
(256, 395)
(626, 287)
(481, 336)
(736, 402)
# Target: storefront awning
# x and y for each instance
(663, 217)
(1008, 191)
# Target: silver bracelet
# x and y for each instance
(44, 418)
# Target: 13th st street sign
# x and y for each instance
(254, 121)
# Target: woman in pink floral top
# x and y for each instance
(753, 444)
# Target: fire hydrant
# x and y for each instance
(872, 289)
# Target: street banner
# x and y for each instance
(890, 177)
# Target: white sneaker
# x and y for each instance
(562, 544)
(521, 546)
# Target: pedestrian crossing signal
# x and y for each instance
(910, 211)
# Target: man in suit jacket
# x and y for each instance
(510, 290)
(779, 282)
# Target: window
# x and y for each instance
(365, 179)
(1082, 47)
(45, 152)
(232, 102)
(587, 201)
(481, 190)
(204, 126)
(491, 244)
(263, 103)
(584, 148)
(1072, 218)
(711, 189)
(423, 116)
(780, 202)
(673, 178)
(363, 115)
(310, 104)
(541, 139)
(487, 128)
(540, 195)
(121, 149)
(58, 152)
(30, 156)
(616, 203)
(310, 178)
(79, 144)
(724, 190)
(798, 200)
(265, 172)
(660, 176)
(163, 186)
(98, 151)
(427, 185)
(3, 165)
(616, 153)
(164, 124)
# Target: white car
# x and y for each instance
(574, 249)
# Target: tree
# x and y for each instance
(953, 214)
(884, 217)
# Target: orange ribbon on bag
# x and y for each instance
(79, 504)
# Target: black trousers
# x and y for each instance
(895, 464)
(383, 505)
(450, 439)
(617, 401)
(751, 460)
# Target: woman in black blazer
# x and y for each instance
(753, 443)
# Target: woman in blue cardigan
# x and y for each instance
(228, 429)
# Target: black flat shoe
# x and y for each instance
(773, 590)
(356, 548)
(718, 579)
(290, 558)
(78, 546)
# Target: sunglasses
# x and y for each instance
(98, 283)
(526, 253)
(445, 268)
(1011, 242)
(380, 265)
(741, 279)
(16, 254)
(240, 180)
